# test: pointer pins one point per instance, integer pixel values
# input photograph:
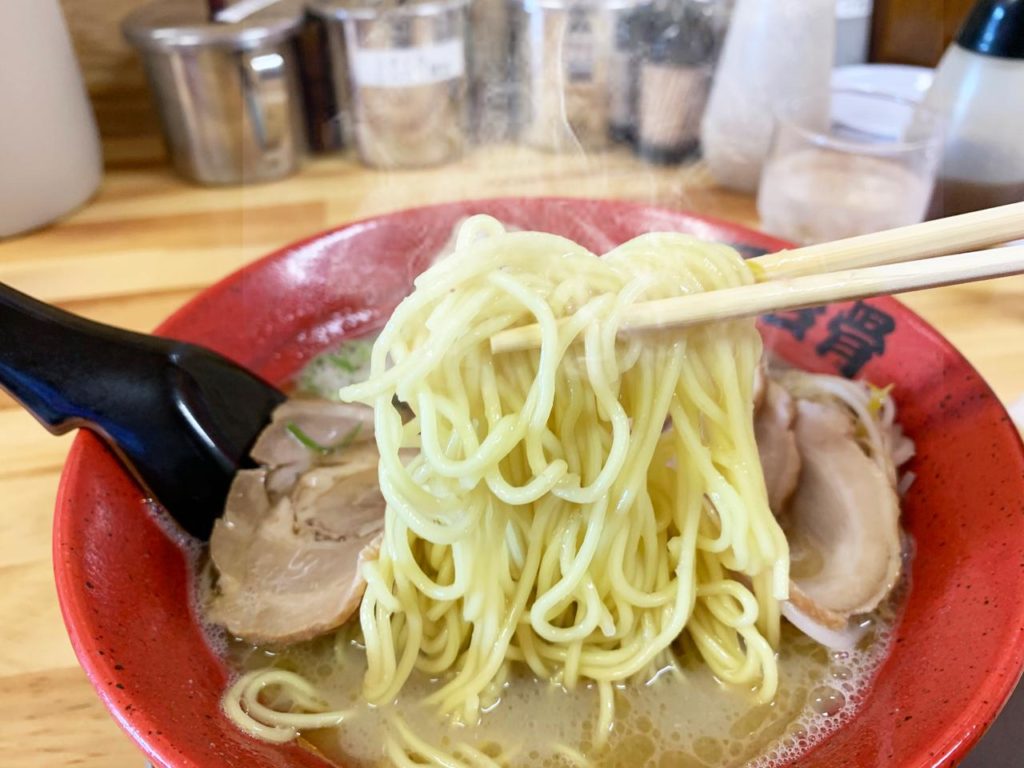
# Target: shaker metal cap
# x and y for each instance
(994, 28)
(186, 23)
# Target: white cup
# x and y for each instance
(867, 165)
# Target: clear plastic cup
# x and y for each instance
(865, 163)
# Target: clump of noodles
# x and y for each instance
(577, 508)
(547, 516)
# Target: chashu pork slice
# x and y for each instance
(842, 522)
(305, 432)
(290, 569)
(776, 444)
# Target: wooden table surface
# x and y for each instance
(149, 241)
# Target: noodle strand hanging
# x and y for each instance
(574, 508)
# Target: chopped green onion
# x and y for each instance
(323, 450)
(343, 363)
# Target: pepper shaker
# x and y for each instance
(675, 76)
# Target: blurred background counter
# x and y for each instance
(903, 32)
(227, 97)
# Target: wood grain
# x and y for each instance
(148, 242)
(57, 721)
(115, 80)
(915, 31)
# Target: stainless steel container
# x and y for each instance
(332, 29)
(566, 56)
(401, 75)
(229, 95)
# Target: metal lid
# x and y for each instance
(373, 9)
(186, 23)
(994, 28)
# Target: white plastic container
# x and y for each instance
(775, 51)
(50, 159)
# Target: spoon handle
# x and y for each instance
(181, 417)
(68, 371)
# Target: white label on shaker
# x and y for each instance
(408, 67)
(853, 9)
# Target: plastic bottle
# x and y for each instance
(775, 51)
(979, 89)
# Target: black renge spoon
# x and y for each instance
(182, 418)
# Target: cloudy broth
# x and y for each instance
(690, 720)
(685, 721)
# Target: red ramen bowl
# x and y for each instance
(124, 582)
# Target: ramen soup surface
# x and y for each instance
(686, 721)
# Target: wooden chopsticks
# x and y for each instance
(955, 234)
(854, 268)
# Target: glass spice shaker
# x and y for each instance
(675, 76)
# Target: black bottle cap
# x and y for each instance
(994, 28)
